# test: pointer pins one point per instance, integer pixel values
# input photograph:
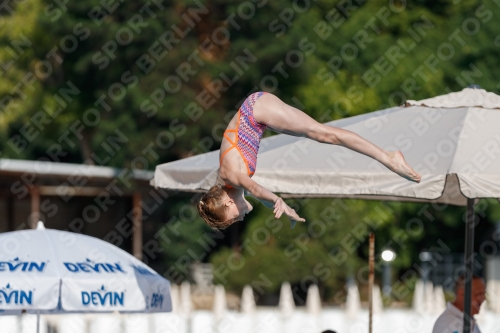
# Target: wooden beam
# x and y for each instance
(35, 206)
(79, 191)
(137, 221)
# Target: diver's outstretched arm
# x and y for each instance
(279, 206)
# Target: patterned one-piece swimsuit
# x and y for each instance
(248, 134)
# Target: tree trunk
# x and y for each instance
(86, 148)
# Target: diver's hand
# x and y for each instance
(292, 214)
(281, 207)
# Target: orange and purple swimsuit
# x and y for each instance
(248, 134)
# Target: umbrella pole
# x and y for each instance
(38, 321)
(468, 264)
(371, 272)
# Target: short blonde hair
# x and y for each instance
(212, 209)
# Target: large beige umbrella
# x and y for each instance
(452, 140)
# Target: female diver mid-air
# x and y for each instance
(225, 204)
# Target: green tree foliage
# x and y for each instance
(144, 65)
(139, 83)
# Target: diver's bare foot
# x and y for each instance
(398, 164)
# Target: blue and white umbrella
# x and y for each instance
(53, 271)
